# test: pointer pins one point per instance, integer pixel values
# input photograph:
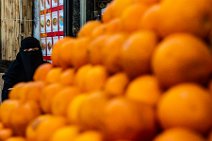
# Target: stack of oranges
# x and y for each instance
(144, 73)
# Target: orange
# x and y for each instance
(98, 31)
(22, 114)
(80, 76)
(5, 134)
(131, 16)
(16, 139)
(114, 26)
(145, 89)
(119, 6)
(122, 114)
(1, 125)
(65, 53)
(44, 127)
(116, 84)
(31, 131)
(95, 49)
(6, 108)
(41, 71)
(147, 2)
(57, 51)
(108, 15)
(74, 107)
(111, 52)
(177, 17)
(149, 20)
(61, 100)
(15, 92)
(66, 133)
(137, 52)
(47, 95)
(91, 110)
(95, 78)
(89, 136)
(177, 54)
(79, 56)
(27, 91)
(53, 75)
(34, 91)
(179, 134)
(67, 77)
(186, 105)
(87, 28)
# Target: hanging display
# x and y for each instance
(51, 25)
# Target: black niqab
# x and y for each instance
(24, 66)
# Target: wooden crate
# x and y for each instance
(16, 23)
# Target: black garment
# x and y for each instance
(24, 66)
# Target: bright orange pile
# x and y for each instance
(143, 74)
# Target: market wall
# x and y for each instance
(16, 23)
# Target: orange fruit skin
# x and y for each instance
(61, 100)
(86, 30)
(137, 52)
(116, 84)
(43, 127)
(131, 16)
(144, 89)
(181, 58)
(65, 133)
(47, 96)
(186, 105)
(57, 51)
(122, 114)
(16, 139)
(91, 111)
(111, 52)
(149, 20)
(190, 17)
(53, 75)
(5, 134)
(89, 135)
(179, 134)
(41, 71)
(95, 49)
(67, 77)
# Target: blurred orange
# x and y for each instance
(48, 94)
(67, 77)
(111, 52)
(95, 49)
(116, 84)
(41, 72)
(5, 134)
(87, 28)
(137, 52)
(186, 105)
(181, 58)
(145, 89)
(61, 100)
(131, 16)
(91, 110)
(179, 134)
(65, 133)
(44, 127)
(56, 52)
(89, 136)
(192, 17)
(122, 114)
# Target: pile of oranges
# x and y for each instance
(144, 73)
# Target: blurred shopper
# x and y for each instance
(23, 67)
